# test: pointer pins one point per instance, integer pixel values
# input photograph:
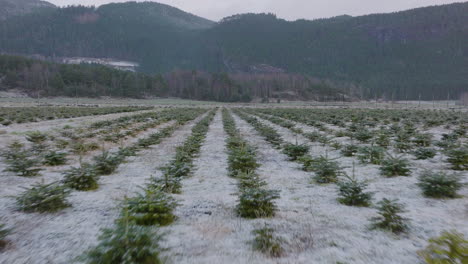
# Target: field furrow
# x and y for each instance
(60, 237)
(234, 185)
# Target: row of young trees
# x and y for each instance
(41, 78)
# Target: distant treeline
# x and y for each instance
(46, 79)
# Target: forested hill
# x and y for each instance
(11, 8)
(400, 55)
(159, 37)
(46, 79)
(422, 51)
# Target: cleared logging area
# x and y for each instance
(238, 185)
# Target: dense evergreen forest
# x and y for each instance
(40, 78)
(10, 8)
(405, 55)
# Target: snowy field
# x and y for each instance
(309, 222)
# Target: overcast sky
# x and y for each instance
(288, 9)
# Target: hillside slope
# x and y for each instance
(155, 35)
(421, 52)
(10, 8)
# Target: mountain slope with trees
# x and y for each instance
(401, 55)
(47, 79)
(157, 36)
(404, 55)
(11, 8)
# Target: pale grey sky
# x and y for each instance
(288, 9)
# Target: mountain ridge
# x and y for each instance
(404, 54)
(10, 8)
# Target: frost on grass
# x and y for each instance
(336, 229)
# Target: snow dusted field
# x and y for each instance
(313, 226)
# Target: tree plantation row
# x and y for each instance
(284, 184)
(10, 115)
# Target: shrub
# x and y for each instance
(54, 158)
(452, 137)
(80, 147)
(12, 150)
(3, 234)
(409, 128)
(458, 158)
(155, 138)
(83, 178)
(324, 140)
(326, 170)
(177, 169)
(20, 161)
(450, 248)
(61, 144)
(257, 203)
(403, 141)
(235, 142)
(36, 137)
(167, 183)
(297, 130)
(43, 198)
(460, 131)
(126, 243)
(267, 132)
(23, 165)
(340, 133)
(363, 135)
(424, 153)
(382, 140)
(249, 180)
(242, 160)
(336, 145)
(153, 207)
(389, 217)
(371, 154)
(439, 184)
(351, 192)
(349, 150)
(422, 140)
(395, 166)
(124, 152)
(294, 151)
(314, 136)
(307, 162)
(447, 142)
(266, 242)
(106, 163)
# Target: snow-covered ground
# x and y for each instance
(63, 236)
(17, 131)
(315, 228)
(342, 231)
